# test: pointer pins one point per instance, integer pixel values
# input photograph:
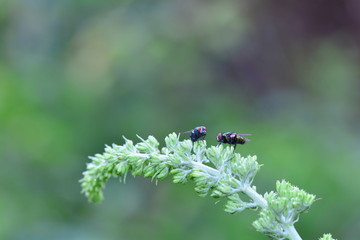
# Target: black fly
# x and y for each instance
(197, 133)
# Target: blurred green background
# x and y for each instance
(75, 75)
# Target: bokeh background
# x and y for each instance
(75, 75)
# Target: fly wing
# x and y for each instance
(245, 134)
(186, 132)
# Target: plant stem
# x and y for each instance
(227, 177)
(257, 198)
(206, 167)
(292, 233)
(250, 192)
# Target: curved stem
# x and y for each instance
(146, 153)
(292, 233)
(250, 192)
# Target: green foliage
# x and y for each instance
(74, 75)
(285, 206)
(327, 237)
(216, 171)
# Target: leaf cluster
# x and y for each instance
(217, 171)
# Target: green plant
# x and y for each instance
(217, 171)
